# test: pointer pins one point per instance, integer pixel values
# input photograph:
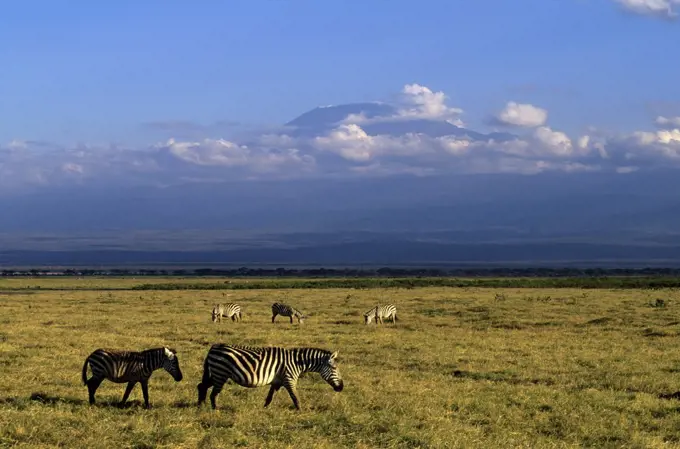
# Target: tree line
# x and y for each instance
(384, 272)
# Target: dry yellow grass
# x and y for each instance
(463, 368)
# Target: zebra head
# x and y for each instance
(215, 313)
(368, 316)
(330, 373)
(171, 364)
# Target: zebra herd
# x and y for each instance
(231, 310)
(247, 366)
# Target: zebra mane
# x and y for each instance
(321, 352)
(161, 349)
(371, 310)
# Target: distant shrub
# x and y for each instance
(659, 303)
(639, 282)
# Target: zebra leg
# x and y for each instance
(273, 389)
(92, 386)
(204, 386)
(145, 392)
(274, 316)
(213, 395)
(202, 392)
(291, 319)
(128, 390)
(292, 391)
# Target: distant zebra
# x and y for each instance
(286, 310)
(253, 367)
(127, 366)
(380, 312)
(230, 310)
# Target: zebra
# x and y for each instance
(253, 367)
(379, 312)
(286, 310)
(230, 310)
(121, 366)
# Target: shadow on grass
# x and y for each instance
(48, 399)
(675, 395)
(501, 376)
(43, 398)
(184, 404)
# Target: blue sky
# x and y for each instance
(93, 73)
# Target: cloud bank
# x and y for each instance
(666, 9)
(424, 136)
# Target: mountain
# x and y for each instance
(325, 117)
(382, 119)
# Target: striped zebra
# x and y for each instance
(127, 366)
(230, 310)
(286, 310)
(380, 312)
(253, 367)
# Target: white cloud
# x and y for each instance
(522, 114)
(421, 102)
(353, 143)
(544, 149)
(663, 142)
(416, 102)
(667, 122)
(554, 142)
(70, 167)
(223, 153)
(657, 8)
(639, 149)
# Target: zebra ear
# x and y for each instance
(169, 354)
(334, 355)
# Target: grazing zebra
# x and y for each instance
(286, 310)
(379, 312)
(230, 310)
(253, 367)
(127, 366)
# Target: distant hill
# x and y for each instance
(557, 219)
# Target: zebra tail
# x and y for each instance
(85, 371)
(206, 373)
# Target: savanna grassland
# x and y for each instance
(466, 367)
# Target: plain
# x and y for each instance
(462, 368)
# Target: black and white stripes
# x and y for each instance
(128, 366)
(380, 312)
(247, 366)
(230, 310)
(258, 366)
(286, 310)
